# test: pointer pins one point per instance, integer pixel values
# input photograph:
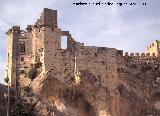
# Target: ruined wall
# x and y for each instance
(19, 55)
(24, 57)
(81, 80)
(153, 48)
(12, 38)
(37, 43)
(52, 42)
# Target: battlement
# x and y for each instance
(140, 55)
(13, 30)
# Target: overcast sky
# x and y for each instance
(130, 28)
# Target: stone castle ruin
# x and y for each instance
(81, 80)
(154, 48)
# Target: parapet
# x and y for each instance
(120, 52)
(29, 28)
(143, 55)
(126, 54)
(13, 29)
(140, 55)
(137, 54)
(131, 54)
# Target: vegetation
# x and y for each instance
(21, 106)
(32, 73)
(33, 70)
(6, 80)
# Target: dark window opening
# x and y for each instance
(22, 47)
(22, 59)
(22, 71)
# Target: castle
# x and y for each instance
(41, 43)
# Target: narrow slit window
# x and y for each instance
(63, 42)
(22, 59)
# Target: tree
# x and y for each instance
(22, 108)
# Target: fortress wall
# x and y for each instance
(37, 43)
(140, 55)
(51, 45)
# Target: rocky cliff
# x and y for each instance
(136, 94)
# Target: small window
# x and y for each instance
(22, 47)
(63, 42)
(22, 59)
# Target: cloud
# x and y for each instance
(3, 25)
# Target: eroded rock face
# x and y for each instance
(136, 93)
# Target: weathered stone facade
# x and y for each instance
(154, 48)
(79, 80)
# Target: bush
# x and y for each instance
(32, 73)
(21, 108)
(6, 80)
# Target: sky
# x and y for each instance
(126, 27)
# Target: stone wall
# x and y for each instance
(105, 76)
(153, 48)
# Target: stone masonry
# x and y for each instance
(100, 77)
(154, 48)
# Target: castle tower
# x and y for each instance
(46, 38)
(48, 18)
(19, 54)
(39, 42)
(12, 40)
